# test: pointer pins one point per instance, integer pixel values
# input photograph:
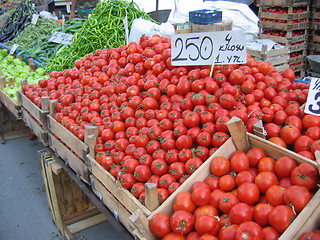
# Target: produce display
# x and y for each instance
(159, 123)
(11, 67)
(103, 29)
(310, 235)
(42, 49)
(17, 21)
(43, 28)
(248, 196)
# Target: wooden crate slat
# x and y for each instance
(74, 143)
(297, 59)
(282, 2)
(282, 67)
(75, 163)
(120, 212)
(40, 131)
(284, 26)
(284, 16)
(34, 110)
(11, 105)
(264, 55)
(120, 193)
(285, 40)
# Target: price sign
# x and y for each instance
(60, 37)
(313, 101)
(126, 28)
(13, 48)
(34, 18)
(224, 47)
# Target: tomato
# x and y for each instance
(297, 197)
(183, 141)
(280, 117)
(183, 201)
(266, 179)
(173, 236)
(205, 210)
(274, 195)
(127, 180)
(177, 170)
(203, 139)
(248, 193)
(165, 180)
(201, 196)
(254, 155)
(193, 236)
(227, 101)
(248, 230)
(240, 213)
(281, 217)
(261, 212)
(207, 224)
(213, 181)
(137, 189)
(215, 196)
(269, 233)
(289, 134)
(284, 166)
(219, 138)
(142, 173)
(220, 166)
(310, 121)
(266, 164)
(239, 161)
(315, 146)
(163, 194)
(159, 167)
(107, 162)
(227, 182)
(313, 132)
(182, 222)
(305, 175)
(192, 165)
(237, 77)
(228, 232)
(226, 201)
(289, 74)
(315, 235)
(244, 176)
(192, 119)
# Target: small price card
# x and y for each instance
(13, 48)
(34, 19)
(313, 101)
(62, 38)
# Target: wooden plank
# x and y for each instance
(120, 193)
(142, 223)
(74, 143)
(238, 132)
(119, 211)
(284, 26)
(11, 105)
(74, 162)
(38, 130)
(286, 40)
(16, 134)
(151, 200)
(34, 110)
(282, 2)
(284, 16)
(86, 223)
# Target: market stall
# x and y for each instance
(180, 136)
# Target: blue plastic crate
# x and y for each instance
(205, 16)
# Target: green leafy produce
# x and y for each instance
(104, 28)
(44, 27)
(12, 67)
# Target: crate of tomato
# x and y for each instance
(245, 173)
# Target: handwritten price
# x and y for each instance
(313, 100)
(62, 38)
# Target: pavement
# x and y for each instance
(24, 211)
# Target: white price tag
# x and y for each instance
(226, 47)
(60, 37)
(313, 101)
(13, 48)
(34, 19)
(126, 28)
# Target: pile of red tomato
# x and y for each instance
(158, 123)
(248, 196)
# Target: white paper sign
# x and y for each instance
(126, 28)
(224, 47)
(313, 101)
(34, 19)
(13, 48)
(60, 37)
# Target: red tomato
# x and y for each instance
(220, 166)
(289, 134)
(284, 166)
(266, 179)
(160, 224)
(281, 217)
(254, 155)
(192, 165)
(173, 236)
(205, 210)
(244, 176)
(269, 233)
(297, 197)
(261, 212)
(239, 161)
(248, 193)
(226, 201)
(201, 196)
(274, 195)
(182, 222)
(184, 201)
(249, 230)
(227, 182)
(305, 175)
(240, 213)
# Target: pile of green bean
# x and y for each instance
(44, 27)
(103, 29)
(42, 49)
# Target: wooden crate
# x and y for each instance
(288, 39)
(282, 2)
(284, 26)
(72, 211)
(274, 56)
(78, 147)
(298, 47)
(298, 68)
(284, 16)
(71, 159)
(315, 13)
(315, 36)
(315, 25)
(314, 47)
(109, 188)
(11, 105)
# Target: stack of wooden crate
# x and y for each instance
(287, 22)
(314, 44)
